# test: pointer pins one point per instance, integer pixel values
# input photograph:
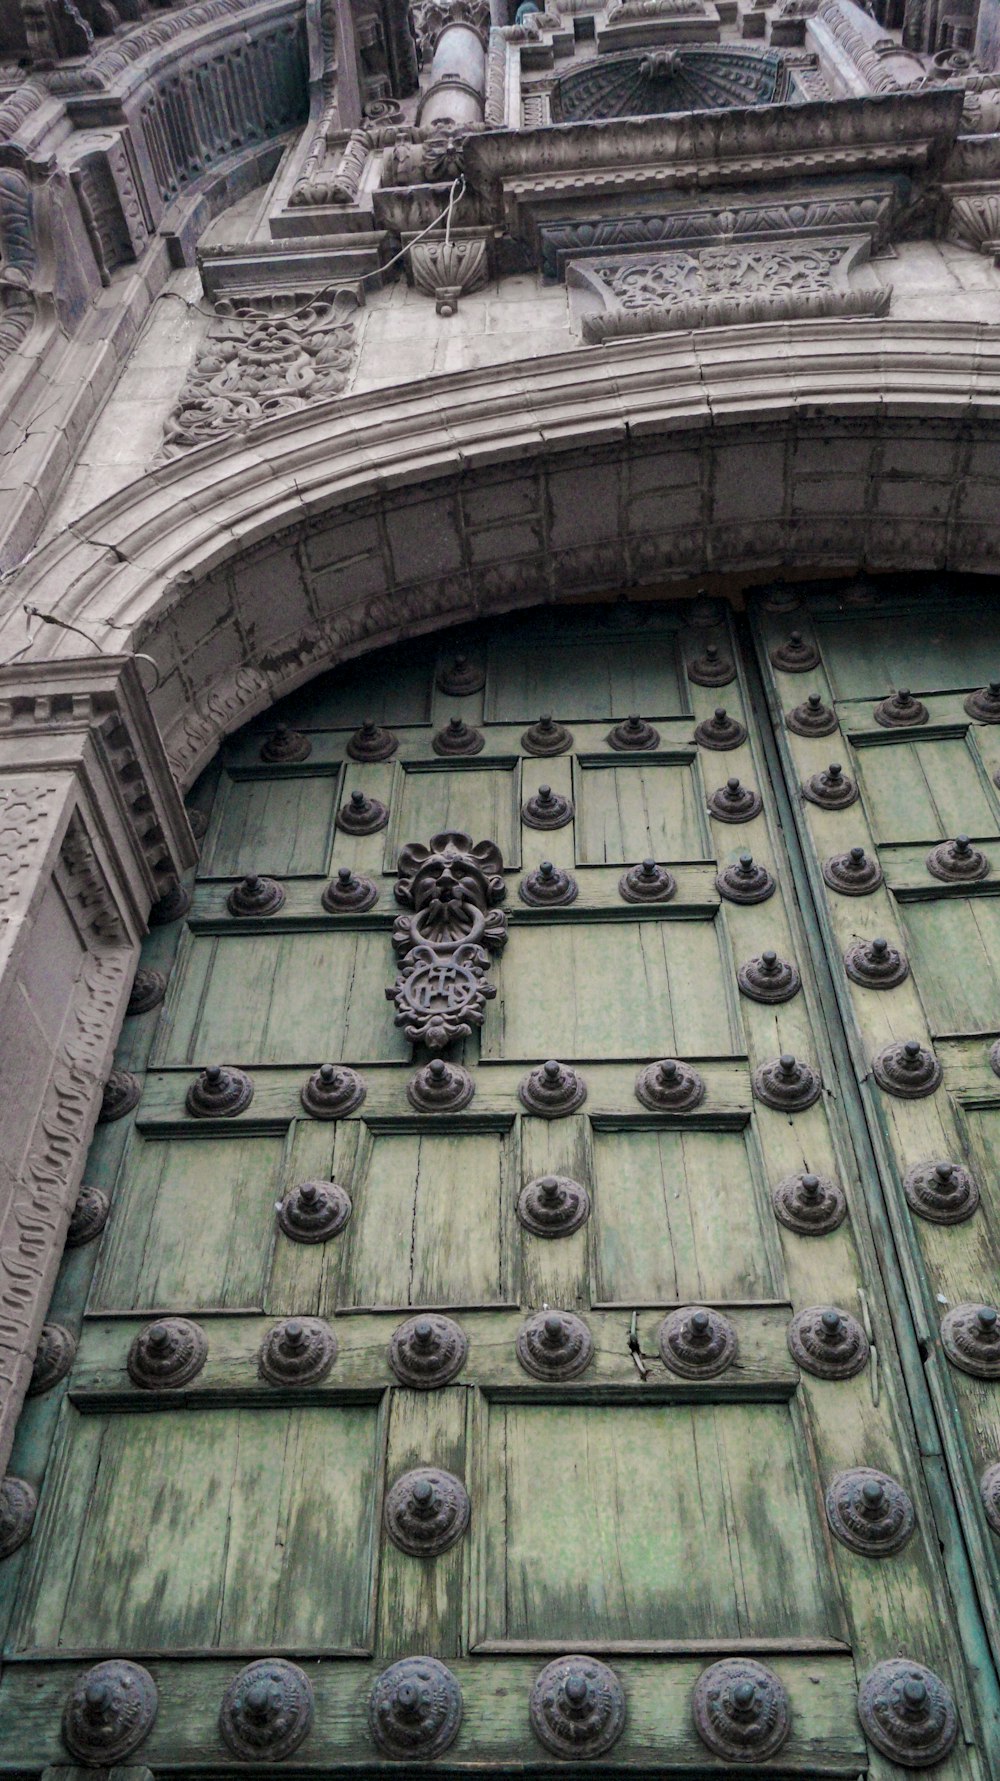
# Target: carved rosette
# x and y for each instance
(900, 710)
(18, 1503)
(984, 705)
(415, 1709)
(697, 1343)
(427, 1351)
(548, 887)
(577, 1707)
(767, 978)
(945, 1193)
(553, 1206)
(552, 1090)
(333, 1091)
(362, 815)
(427, 1512)
(458, 738)
(297, 1351)
(122, 1092)
(812, 1205)
(734, 802)
(462, 676)
(787, 1084)
(832, 789)
(554, 1345)
(89, 1216)
(255, 895)
(907, 1069)
(285, 747)
(970, 1336)
(267, 1710)
(450, 889)
(647, 883)
(907, 1713)
(220, 1092)
(148, 990)
(745, 881)
(712, 668)
(852, 873)
(869, 1512)
(720, 731)
(989, 1490)
(170, 907)
(633, 733)
(372, 743)
(546, 809)
(957, 862)
(109, 1713)
(167, 1354)
(828, 1342)
(876, 964)
(349, 893)
(440, 1088)
(741, 1710)
(669, 1086)
(812, 718)
(314, 1211)
(546, 737)
(54, 1356)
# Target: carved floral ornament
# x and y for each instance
(449, 890)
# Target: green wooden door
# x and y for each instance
(507, 1399)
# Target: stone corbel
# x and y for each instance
(973, 220)
(447, 270)
(92, 833)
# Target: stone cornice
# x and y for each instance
(126, 62)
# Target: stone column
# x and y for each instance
(456, 91)
(92, 833)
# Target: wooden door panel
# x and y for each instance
(483, 801)
(953, 944)
(925, 790)
(607, 677)
(651, 807)
(865, 654)
(274, 823)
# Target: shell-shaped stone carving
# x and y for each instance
(908, 1713)
(314, 1211)
(899, 710)
(348, 892)
(255, 895)
(362, 815)
(122, 1092)
(989, 1490)
(831, 789)
(109, 1712)
(946, 1193)
(632, 733)
(577, 1707)
(810, 1204)
(167, 1354)
(148, 990)
(741, 1710)
(828, 1342)
(267, 1710)
(428, 1351)
(876, 964)
(297, 1351)
(984, 704)
(546, 809)
(18, 1503)
(546, 737)
(796, 655)
(372, 742)
(554, 1345)
(426, 1511)
(697, 1343)
(548, 887)
(907, 1069)
(458, 737)
(170, 907)
(734, 802)
(415, 1709)
(767, 978)
(333, 1091)
(440, 1087)
(712, 668)
(285, 746)
(869, 1512)
(812, 717)
(970, 1336)
(957, 862)
(220, 1092)
(720, 731)
(89, 1216)
(552, 1090)
(553, 1206)
(670, 1086)
(647, 883)
(745, 881)
(787, 1083)
(54, 1356)
(853, 874)
(461, 676)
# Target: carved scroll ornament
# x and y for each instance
(444, 941)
